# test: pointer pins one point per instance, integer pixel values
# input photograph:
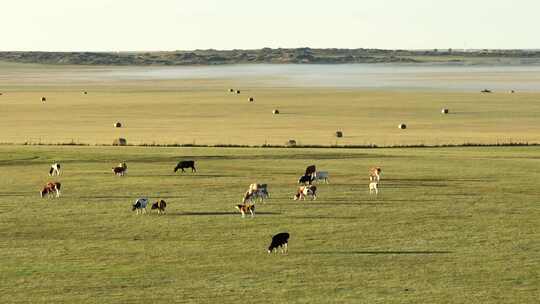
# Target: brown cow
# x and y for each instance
(51, 188)
(160, 206)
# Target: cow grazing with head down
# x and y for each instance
(51, 188)
(245, 208)
(305, 191)
(140, 205)
(256, 192)
(119, 171)
(186, 164)
(54, 170)
(160, 206)
(280, 240)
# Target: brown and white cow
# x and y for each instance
(304, 191)
(375, 174)
(51, 188)
(160, 206)
(245, 208)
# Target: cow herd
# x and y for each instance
(256, 193)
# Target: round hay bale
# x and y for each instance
(85, 92)
(1, 93)
(339, 134)
(511, 92)
(237, 91)
(251, 99)
(119, 142)
(117, 124)
(43, 99)
(444, 111)
(402, 126)
(275, 112)
(291, 143)
(231, 90)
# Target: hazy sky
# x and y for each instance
(136, 25)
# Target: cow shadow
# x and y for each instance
(351, 204)
(18, 194)
(323, 217)
(133, 197)
(219, 213)
(383, 252)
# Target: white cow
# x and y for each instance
(373, 187)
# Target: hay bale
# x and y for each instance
(511, 92)
(237, 91)
(251, 99)
(118, 124)
(291, 143)
(1, 93)
(444, 111)
(402, 126)
(43, 99)
(275, 112)
(85, 92)
(339, 134)
(231, 90)
(119, 142)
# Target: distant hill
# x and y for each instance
(278, 56)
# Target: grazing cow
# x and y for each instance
(140, 205)
(256, 195)
(160, 206)
(256, 191)
(123, 165)
(245, 208)
(51, 188)
(310, 170)
(55, 169)
(186, 164)
(280, 240)
(375, 174)
(305, 179)
(305, 191)
(321, 175)
(373, 187)
(120, 171)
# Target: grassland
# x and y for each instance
(202, 111)
(451, 225)
(454, 225)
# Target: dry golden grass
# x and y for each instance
(209, 115)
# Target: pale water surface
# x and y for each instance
(374, 76)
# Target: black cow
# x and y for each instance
(280, 240)
(186, 164)
(306, 179)
(310, 170)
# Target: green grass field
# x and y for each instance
(450, 225)
(454, 225)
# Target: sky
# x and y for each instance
(138, 25)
